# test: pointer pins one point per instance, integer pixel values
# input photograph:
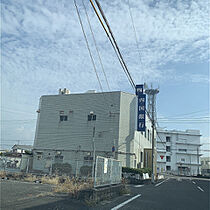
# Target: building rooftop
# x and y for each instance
(91, 92)
(25, 147)
(186, 132)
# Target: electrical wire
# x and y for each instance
(102, 67)
(136, 40)
(113, 43)
(116, 45)
(92, 60)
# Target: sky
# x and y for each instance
(43, 49)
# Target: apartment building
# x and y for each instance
(69, 126)
(205, 166)
(178, 152)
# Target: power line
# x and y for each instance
(190, 113)
(135, 34)
(102, 67)
(113, 42)
(80, 21)
(112, 35)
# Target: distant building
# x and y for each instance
(67, 124)
(21, 148)
(205, 166)
(178, 152)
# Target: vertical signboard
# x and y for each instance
(141, 108)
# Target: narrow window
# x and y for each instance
(141, 156)
(168, 148)
(145, 133)
(58, 159)
(168, 159)
(168, 168)
(63, 118)
(91, 117)
(94, 117)
(168, 139)
(183, 150)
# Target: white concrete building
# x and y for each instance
(178, 152)
(22, 148)
(67, 123)
(205, 166)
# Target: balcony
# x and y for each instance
(180, 142)
(187, 153)
(192, 164)
(161, 150)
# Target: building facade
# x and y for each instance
(205, 166)
(70, 126)
(178, 152)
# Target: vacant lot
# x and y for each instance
(27, 195)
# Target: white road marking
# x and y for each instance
(159, 183)
(193, 182)
(139, 185)
(200, 188)
(124, 203)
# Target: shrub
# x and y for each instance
(73, 186)
(50, 180)
(86, 170)
(137, 170)
(62, 168)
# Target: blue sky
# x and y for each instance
(43, 49)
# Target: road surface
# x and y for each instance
(171, 194)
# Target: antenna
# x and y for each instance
(151, 108)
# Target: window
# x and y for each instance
(183, 150)
(39, 157)
(168, 148)
(134, 163)
(168, 139)
(63, 118)
(91, 117)
(207, 162)
(182, 159)
(141, 157)
(168, 159)
(58, 159)
(168, 168)
(145, 133)
(94, 117)
(148, 134)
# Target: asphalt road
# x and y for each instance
(26, 195)
(172, 194)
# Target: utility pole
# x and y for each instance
(152, 112)
(94, 152)
(198, 160)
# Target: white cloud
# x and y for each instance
(43, 48)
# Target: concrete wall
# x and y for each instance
(179, 141)
(115, 125)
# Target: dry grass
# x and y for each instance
(48, 180)
(2, 174)
(73, 186)
(30, 178)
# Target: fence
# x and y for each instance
(107, 171)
